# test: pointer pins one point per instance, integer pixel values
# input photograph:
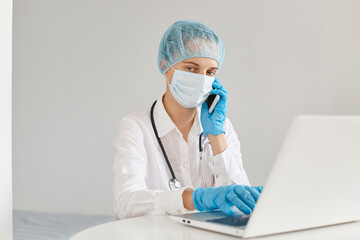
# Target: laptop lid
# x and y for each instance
(315, 180)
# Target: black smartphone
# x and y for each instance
(211, 102)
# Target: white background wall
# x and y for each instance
(5, 120)
(79, 66)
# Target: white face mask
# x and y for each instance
(190, 89)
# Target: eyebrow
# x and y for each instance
(199, 65)
(193, 63)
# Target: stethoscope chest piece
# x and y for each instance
(174, 184)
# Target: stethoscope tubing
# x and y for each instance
(159, 141)
(173, 180)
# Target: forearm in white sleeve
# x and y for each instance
(145, 202)
(228, 166)
(131, 196)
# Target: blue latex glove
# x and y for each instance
(213, 123)
(225, 197)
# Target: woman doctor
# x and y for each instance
(177, 156)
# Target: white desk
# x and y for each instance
(161, 227)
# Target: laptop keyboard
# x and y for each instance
(237, 221)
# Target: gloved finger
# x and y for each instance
(220, 92)
(245, 196)
(216, 91)
(226, 91)
(216, 84)
(217, 81)
(259, 188)
(204, 107)
(253, 192)
(227, 209)
(242, 206)
(234, 199)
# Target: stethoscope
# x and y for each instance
(174, 183)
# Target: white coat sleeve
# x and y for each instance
(228, 166)
(131, 196)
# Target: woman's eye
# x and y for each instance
(211, 73)
(190, 69)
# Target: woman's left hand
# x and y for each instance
(225, 197)
(213, 123)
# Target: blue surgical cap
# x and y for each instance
(186, 39)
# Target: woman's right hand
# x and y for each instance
(225, 197)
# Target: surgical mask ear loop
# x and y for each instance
(167, 80)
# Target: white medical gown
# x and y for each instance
(141, 175)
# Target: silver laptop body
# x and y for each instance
(314, 182)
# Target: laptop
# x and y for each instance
(314, 182)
